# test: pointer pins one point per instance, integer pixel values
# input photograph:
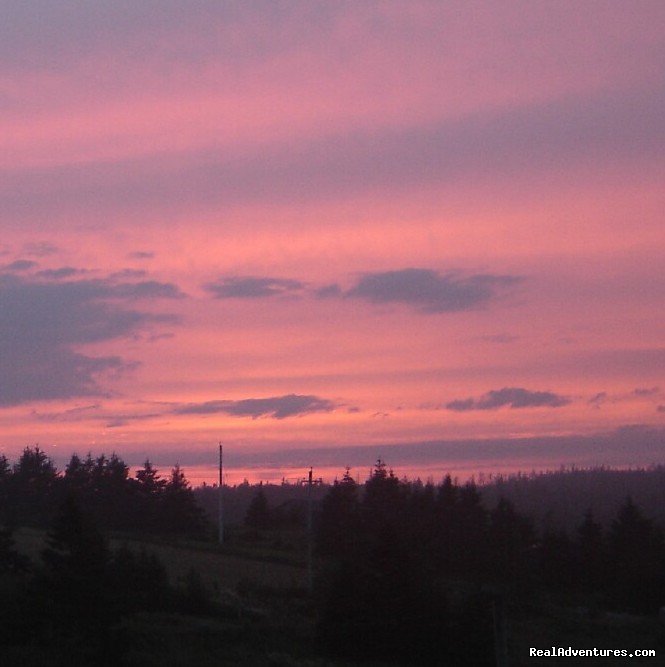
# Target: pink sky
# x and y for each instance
(319, 226)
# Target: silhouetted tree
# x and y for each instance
(10, 559)
(339, 519)
(76, 549)
(556, 558)
(382, 502)
(591, 554)
(510, 538)
(149, 481)
(33, 483)
(258, 513)
(112, 492)
(78, 474)
(139, 582)
(149, 488)
(5, 483)
(637, 559)
(447, 520)
(72, 596)
(470, 558)
(179, 510)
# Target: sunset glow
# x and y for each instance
(358, 229)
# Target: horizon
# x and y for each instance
(463, 459)
(319, 230)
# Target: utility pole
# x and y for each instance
(220, 496)
(500, 629)
(310, 540)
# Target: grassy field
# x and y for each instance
(222, 568)
(270, 618)
(264, 617)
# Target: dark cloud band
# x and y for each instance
(277, 407)
(252, 287)
(430, 291)
(513, 397)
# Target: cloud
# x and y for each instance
(646, 391)
(277, 407)
(141, 254)
(620, 447)
(62, 272)
(508, 145)
(502, 339)
(146, 289)
(328, 291)
(76, 414)
(96, 413)
(40, 249)
(429, 291)
(42, 325)
(514, 397)
(660, 408)
(252, 287)
(129, 273)
(597, 400)
(20, 265)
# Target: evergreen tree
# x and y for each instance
(148, 480)
(76, 549)
(138, 582)
(637, 557)
(5, 483)
(5, 469)
(72, 598)
(447, 519)
(510, 537)
(10, 559)
(469, 535)
(556, 557)
(383, 501)
(258, 512)
(78, 474)
(149, 488)
(112, 498)
(339, 520)
(179, 510)
(591, 554)
(33, 483)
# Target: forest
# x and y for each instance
(389, 571)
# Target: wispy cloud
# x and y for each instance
(145, 289)
(513, 397)
(60, 273)
(646, 391)
(501, 339)
(277, 407)
(253, 287)
(40, 249)
(430, 291)
(19, 265)
(423, 289)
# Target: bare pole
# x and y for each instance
(220, 496)
(310, 572)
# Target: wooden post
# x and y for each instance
(310, 537)
(220, 497)
(500, 630)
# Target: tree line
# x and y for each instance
(32, 489)
(415, 567)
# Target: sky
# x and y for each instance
(322, 232)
